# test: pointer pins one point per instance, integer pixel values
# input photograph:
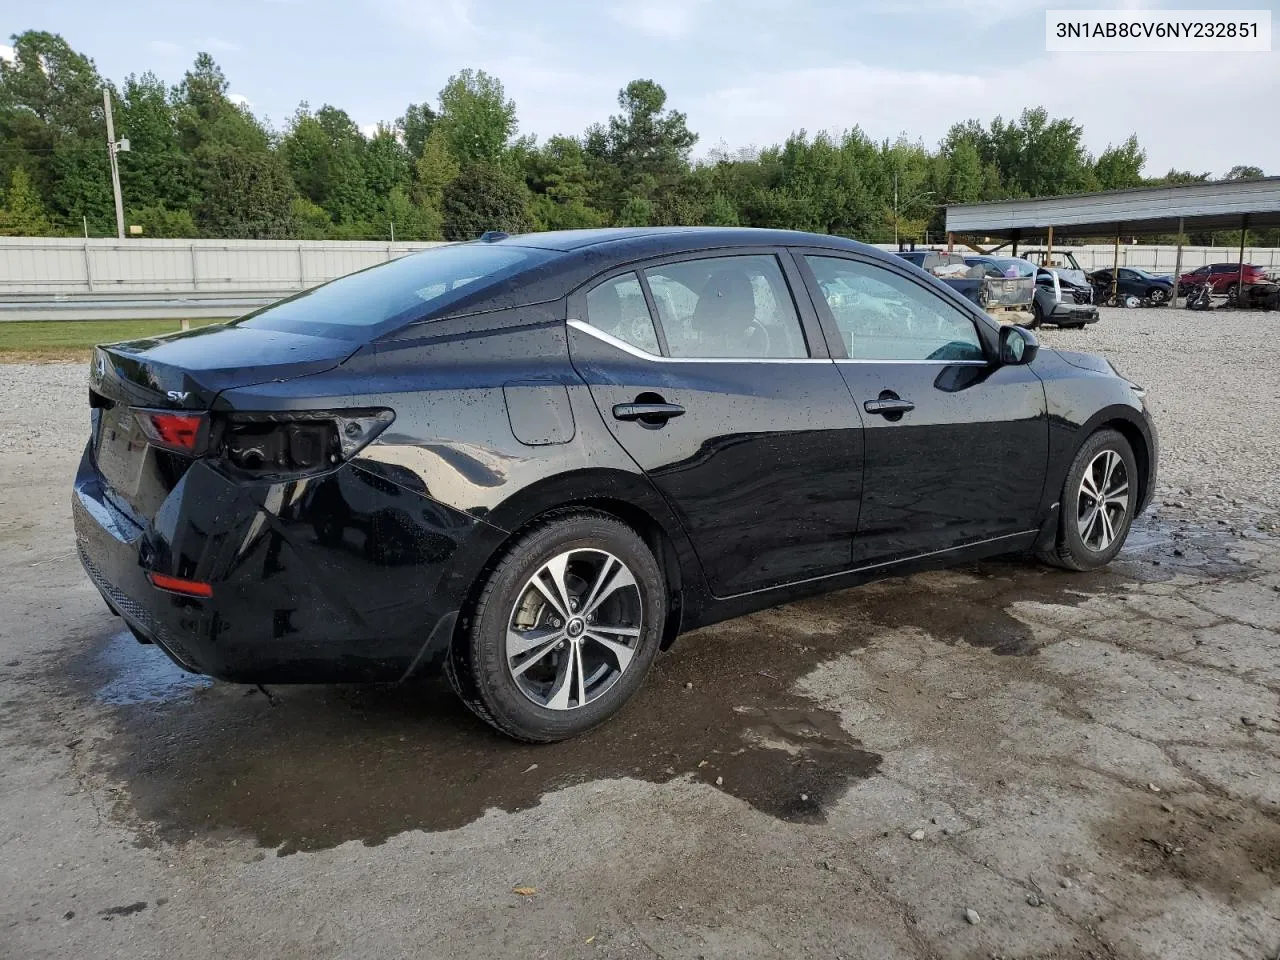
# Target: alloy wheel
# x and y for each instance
(1103, 500)
(574, 629)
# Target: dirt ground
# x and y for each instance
(995, 761)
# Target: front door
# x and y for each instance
(721, 390)
(956, 446)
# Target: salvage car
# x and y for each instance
(533, 461)
(952, 269)
(1150, 288)
(1062, 298)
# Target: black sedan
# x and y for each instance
(1134, 283)
(534, 461)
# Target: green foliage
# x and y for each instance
(454, 168)
(476, 117)
(22, 214)
(158, 220)
(484, 197)
(1120, 167)
(247, 195)
(415, 126)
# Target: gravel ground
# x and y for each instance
(994, 761)
(1213, 383)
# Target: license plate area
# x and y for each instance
(120, 449)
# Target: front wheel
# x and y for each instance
(1097, 504)
(564, 630)
(1158, 296)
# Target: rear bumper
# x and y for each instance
(343, 577)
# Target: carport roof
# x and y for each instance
(1146, 210)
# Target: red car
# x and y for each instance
(1221, 276)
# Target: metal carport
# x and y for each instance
(1222, 205)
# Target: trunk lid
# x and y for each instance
(183, 372)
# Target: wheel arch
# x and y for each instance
(627, 497)
(1127, 422)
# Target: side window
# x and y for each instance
(617, 307)
(882, 316)
(1127, 274)
(726, 307)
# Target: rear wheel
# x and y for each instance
(1037, 315)
(1158, 296)
(1097, 504)
(564, 631)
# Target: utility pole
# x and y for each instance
(114, 147)
(895, 208)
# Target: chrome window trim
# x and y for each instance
(938, 363)
(584, 327)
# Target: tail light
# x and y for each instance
(295, 444)
(179, 432)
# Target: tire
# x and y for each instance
(1158, 296)
(1087, 549)
(1037, 315)
(534, 696)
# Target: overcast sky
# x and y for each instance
(747, 72)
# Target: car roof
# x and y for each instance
(574, 257)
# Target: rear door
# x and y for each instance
(955, 446)
(716, 380)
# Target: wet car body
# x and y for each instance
(499, 404)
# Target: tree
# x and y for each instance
(23, 214)
(484, 197)
(415, 126)
(247, 195)
(155, 172)
(158, 220)
(477, 119)
(1244, 172)
(435, 170)
(1120, 167)
(325, 154)
(643, 152)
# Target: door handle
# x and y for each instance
(887, 406)
(651, 413)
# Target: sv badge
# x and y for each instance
(178, 396)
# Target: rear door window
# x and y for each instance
(617, 307)
(726, 307)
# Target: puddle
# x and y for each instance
(132, 673)
(317, 766)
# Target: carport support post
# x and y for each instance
(1048, 252)
(1177, 267)
(1017, 235)
(1244, 235)
(1115, 265)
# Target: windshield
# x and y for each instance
(390, 295)
(1008, 267)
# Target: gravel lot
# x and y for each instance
(996, 761)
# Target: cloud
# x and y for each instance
(8, 53)
(368, 129)
(224, 46)
(765, 106)
(447, 22)
(166, 48)
(670, 19)
(240, 100)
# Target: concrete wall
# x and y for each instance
(39, 268)
(64, 266)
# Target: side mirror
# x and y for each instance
(1018, 345)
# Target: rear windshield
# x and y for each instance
(1012, 266)
(390, 295)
